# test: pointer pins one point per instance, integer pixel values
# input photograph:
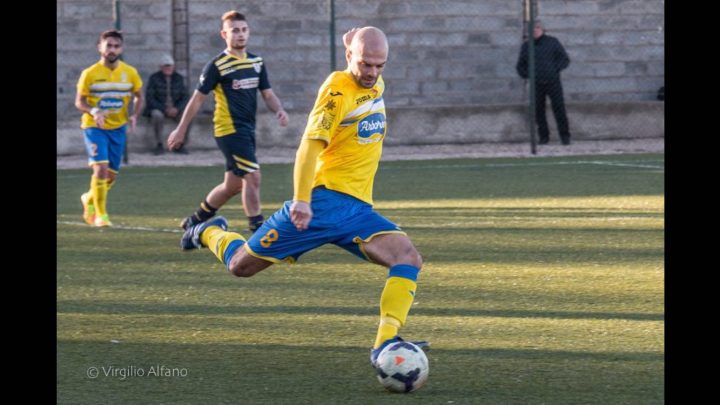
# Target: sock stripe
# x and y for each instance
(405, 271)
(230, 250)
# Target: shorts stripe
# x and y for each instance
(360, 242)
(288, 259)
(247, 169)
(246, 162)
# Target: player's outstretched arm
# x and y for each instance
(177, 136)
(274, 104)
(303, 176)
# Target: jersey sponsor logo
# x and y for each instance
(110, 103)
(362, 99)
(330, 105)
(371, 128)
(326, 120)
(250, 83)
(337, 93)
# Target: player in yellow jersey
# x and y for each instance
(104, 91)
(333, 180)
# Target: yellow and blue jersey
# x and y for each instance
(350, 119)
(236, 82)
(110, 90)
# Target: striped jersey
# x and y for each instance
(350, 119)
(235, 82)
(109, 90)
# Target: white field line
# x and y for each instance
(560, 163)
(124, 227)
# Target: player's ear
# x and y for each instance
(348, 55)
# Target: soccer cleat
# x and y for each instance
(374, 353)
(102, 220)
(88, 209)
(255, 225)
(192, 220)
(191, 237)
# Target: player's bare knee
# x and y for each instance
(233, 189)
(408, 255)
(239, 267)
(244, 265)
(252, 180)
(242, 271)
(413, 257)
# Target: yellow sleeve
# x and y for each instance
(304, 172)
(137, 81)
(327, 112)
(82, 85)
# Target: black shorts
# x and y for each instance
(239, 151)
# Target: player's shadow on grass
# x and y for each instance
(130, 308)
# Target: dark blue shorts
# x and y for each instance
(239, 151)
(337, 218)
(105, 146)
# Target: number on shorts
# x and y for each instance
(269, 238)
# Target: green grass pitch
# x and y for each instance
(543, 283)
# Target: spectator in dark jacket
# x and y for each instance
(550, 59)
(162, 103)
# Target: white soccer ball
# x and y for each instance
(402, 367)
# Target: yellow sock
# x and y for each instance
(90, 192)
(218, 240)
(98, 188)
(395, 303)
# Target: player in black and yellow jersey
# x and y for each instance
(104, 91)
(235, 76)
(334, 171)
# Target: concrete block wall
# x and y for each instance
(146, 27)
(423, 125)
(450, 53)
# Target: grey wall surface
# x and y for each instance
(442, 53)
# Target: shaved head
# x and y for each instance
(366, 55)
(369, 37)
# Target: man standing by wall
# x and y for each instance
(165, 97)
(550, 59)
(104, 91)
(235, 76)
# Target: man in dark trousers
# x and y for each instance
(166, 97)
(550, 59)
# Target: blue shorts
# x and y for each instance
(105, 146)
(337, 218)
(239, 151)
